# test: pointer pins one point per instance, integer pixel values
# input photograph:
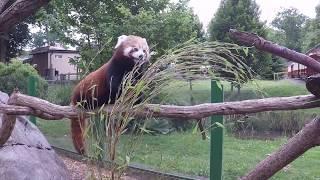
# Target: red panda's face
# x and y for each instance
(134, 47)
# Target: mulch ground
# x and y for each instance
(81, 171)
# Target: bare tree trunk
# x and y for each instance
(306, 139)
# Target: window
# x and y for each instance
(58, 56)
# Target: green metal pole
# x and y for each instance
(216, 139)
(32, 92)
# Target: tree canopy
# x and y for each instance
(242, 15)
(290, 22)
(312, 31)
(14, 31)
(93, 26)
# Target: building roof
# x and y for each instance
(56, 48)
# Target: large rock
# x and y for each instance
(27, 155)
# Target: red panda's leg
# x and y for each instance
(77, 131)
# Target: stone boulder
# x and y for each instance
(28, 155)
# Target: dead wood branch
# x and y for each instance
(7, 125)
(18, 11)
(306, 139)
(6, 128)
(3, 4)
(28, 105)
(251, 39)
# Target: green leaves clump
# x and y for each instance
(16, 74)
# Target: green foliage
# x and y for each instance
(38, 39)
(312, 32)
(16, 74)
(283, 123)
(13, 41)
(291, 21)
(93, 26)
(244, 16)
(59, 94)
(278, 64)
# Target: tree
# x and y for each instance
(19, 37)
(13, 32)
(242, 15)
(312, 32)
(94, 28)
(291, 21)
(278, 64)
(38, 39)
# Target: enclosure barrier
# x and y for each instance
(216, 139)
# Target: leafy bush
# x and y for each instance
(60, 94)
(16, 74)
(284, 122)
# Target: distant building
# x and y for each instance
(296, 70)
(52, 62)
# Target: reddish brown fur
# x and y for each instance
(83, 90)
(98, 84)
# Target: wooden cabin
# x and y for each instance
(52, 62)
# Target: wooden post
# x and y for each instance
(32, 92)
(216, 139)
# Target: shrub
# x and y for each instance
(16, 74)
(284, 122)
(60, 94)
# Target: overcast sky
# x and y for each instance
(269, 8)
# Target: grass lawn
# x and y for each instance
(187, 153)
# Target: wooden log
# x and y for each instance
(8, 123)
(28, 105)
(18, 11)
(268, 46)
(306, 139)
(3, 3)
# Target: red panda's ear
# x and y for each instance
(120, 40)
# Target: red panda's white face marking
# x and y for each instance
(134, 47)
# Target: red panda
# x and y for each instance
(102, 86)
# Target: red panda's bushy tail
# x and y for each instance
(77, 131)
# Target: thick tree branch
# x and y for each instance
(3, 4)
(28, 105)
(264, 45)
(18, 11)
(8, 123)
(306, 139)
